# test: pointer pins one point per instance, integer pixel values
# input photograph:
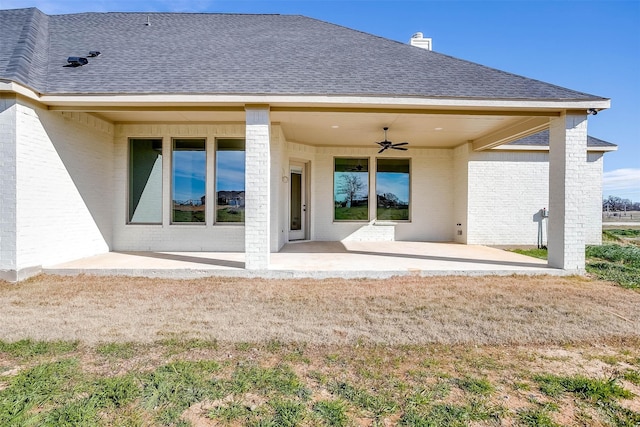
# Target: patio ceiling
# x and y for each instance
(355, 127)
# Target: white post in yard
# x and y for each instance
(257, 187)
(567, 161)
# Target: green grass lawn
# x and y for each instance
(617, 260)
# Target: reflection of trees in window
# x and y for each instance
(145, 181)
(350, 186)
(392, 189)
(230, 180)
(351, 189)
(188, 179)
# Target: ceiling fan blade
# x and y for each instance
(400, 148)
(400, 143)
(383, 148)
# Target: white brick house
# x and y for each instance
(134, 150)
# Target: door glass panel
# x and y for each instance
(296, 201)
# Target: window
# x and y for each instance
(230, 180)
(145, 181)
(351, 189)
(392, 189)
(188, 180)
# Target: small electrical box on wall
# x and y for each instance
(545, 213)
(459, 231)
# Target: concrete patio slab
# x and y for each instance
(317, 260)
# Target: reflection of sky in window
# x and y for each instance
(230, 171)
(189, 174)
(393, 182)
(364, 192)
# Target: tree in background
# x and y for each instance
(614, 203)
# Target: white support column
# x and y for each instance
(567, 162)
(257, 188)
(8, 201)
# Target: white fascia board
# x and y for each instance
(319, 100)
(299, 100)
(9, 86)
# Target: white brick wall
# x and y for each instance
(279, 189)
(593, 208)
(373, 232)
(460, 193)
(507, 190)
(64, 179)
(7, 187)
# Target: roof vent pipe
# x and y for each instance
(148, 24)
(418, 40)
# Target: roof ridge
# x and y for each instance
(170, 13)
(35, 28)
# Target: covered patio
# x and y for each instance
(317, 260)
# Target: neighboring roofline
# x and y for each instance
(107, 100)
(591, 148)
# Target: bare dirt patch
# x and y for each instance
(399, 311)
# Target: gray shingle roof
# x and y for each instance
(541, 139)
(23, 51)
(239, 54)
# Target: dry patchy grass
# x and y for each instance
(399, 311)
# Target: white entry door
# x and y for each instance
(297, 203)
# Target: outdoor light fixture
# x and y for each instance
(77, 61)
(592, 112)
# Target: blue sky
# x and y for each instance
(189, 175)
(229, 170)
(392, 182)
(587, 45)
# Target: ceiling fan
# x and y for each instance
(388, 144)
